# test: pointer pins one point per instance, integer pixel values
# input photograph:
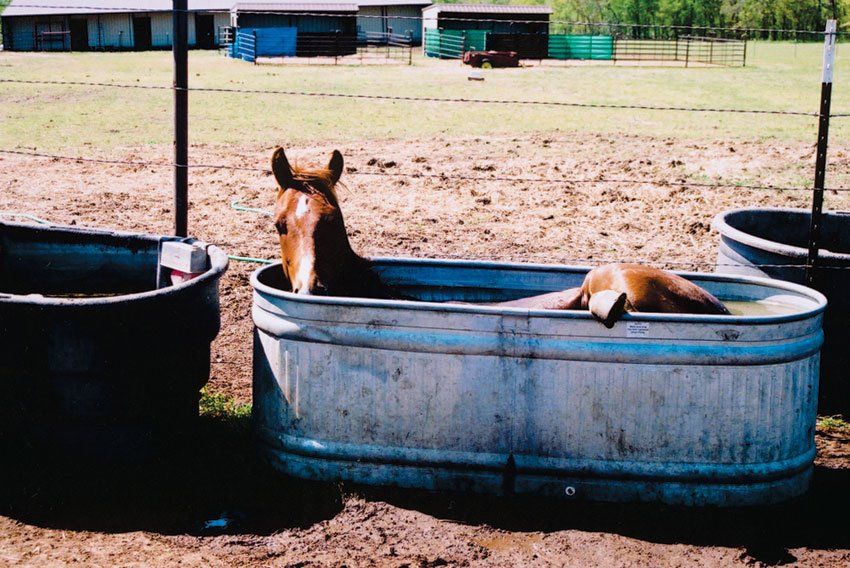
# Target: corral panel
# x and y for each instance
(581, 47)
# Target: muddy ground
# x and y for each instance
(157, 516)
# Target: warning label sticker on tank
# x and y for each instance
(637, 329)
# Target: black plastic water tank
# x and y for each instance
(100, 356)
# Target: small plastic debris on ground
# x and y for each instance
(220, 523)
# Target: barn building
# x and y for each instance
(450, 29)
(400, 17)
(303, 29)
(108, 25)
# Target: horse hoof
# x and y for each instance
(608, 306)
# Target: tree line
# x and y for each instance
(738, 14)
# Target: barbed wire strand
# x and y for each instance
(236, 204)
(410, 98)
(438, 176)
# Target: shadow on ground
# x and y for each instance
(211, 484)
(818, 520)
(218, 477)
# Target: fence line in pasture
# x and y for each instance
(407, 98)
(440, 176)
(676, 261)
(181, 113)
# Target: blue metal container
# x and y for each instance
(681, 409)
(100, 356)
(754, 237)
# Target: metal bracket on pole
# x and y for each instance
(823, 144)
(180, 52)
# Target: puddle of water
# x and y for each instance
(765, 307)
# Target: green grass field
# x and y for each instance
(779, 76)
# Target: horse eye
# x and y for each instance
(280, 225)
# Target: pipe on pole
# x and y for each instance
(823, 144)
(180, 51)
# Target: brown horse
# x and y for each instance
(318, 258)
(610, 290)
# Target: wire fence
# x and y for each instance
(424, 99)
(598, 180)
(238, 205)
(452, 44)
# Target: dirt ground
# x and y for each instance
(60, 517)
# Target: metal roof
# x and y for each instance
(486, 9)
(294, 7)
(362, 3)
(65, 7)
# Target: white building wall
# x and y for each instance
(161, 30)
(221, 20)
(429, 18)
(399, 19)
(111, 31)
(191, 20)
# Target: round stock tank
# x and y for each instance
(779, 237)
(685, 409)
(101, 357)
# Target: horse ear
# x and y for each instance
(335, 166)
(281, 168)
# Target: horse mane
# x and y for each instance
(316, 180)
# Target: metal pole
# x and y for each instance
(823, 143)
(181, 118)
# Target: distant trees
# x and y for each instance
(785, 14)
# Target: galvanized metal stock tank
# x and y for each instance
(779, 237)
(100, 357)
(685, 409)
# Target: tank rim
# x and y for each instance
(719, 223)
(218, 265)
(415, 305)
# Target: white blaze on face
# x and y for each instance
(301, 209)
(301, 283)
(303, 278)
